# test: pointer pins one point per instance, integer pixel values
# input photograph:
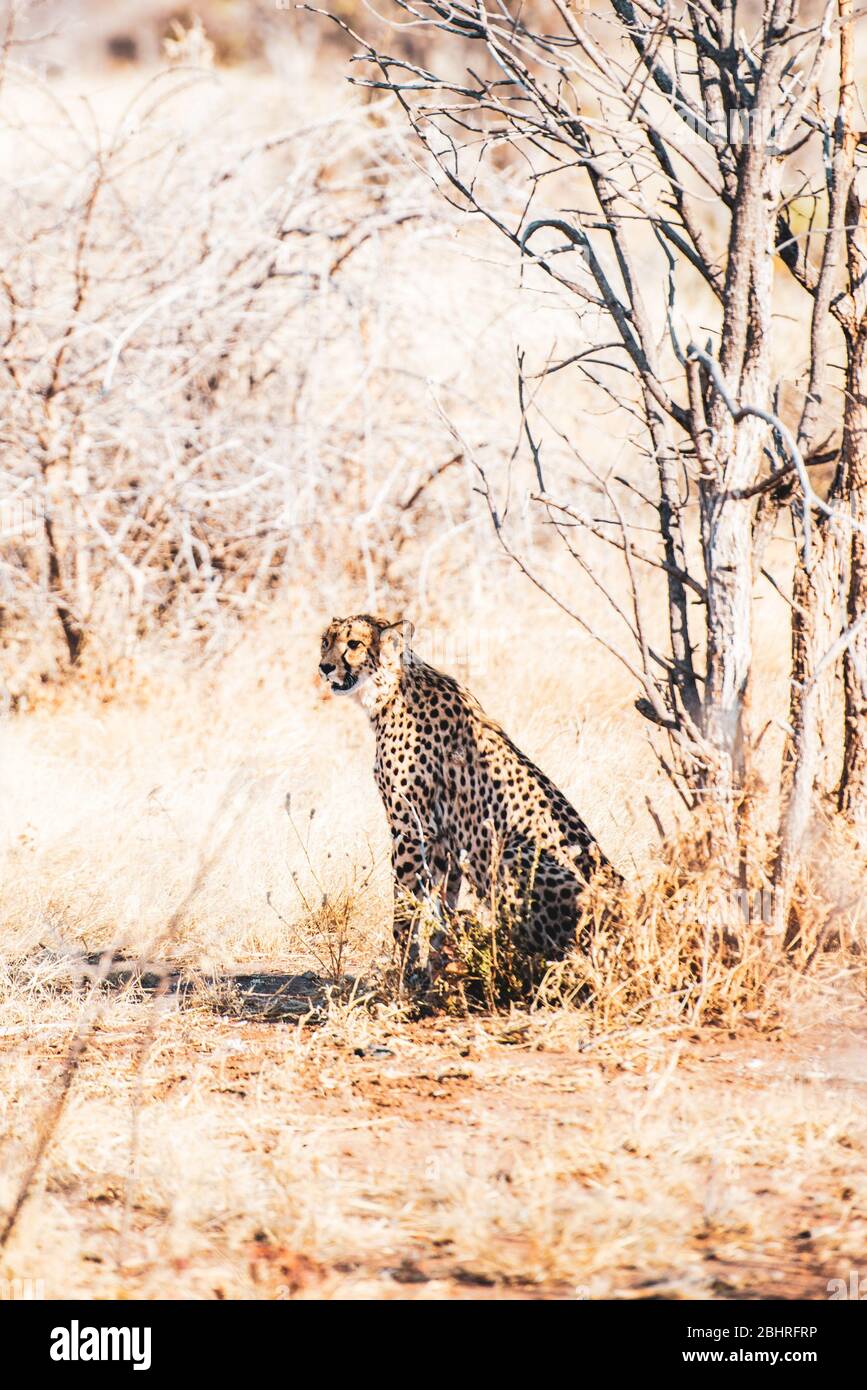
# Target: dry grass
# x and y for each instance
(370, 1157)
(209, 1150)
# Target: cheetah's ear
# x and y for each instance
(394, 640)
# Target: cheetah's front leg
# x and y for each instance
(424, 874)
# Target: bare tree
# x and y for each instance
(851, 308)
(672, 166)
(192, 340)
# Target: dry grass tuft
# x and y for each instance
(668, 948)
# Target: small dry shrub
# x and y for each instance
(679, 946)
(674, 947)
(484, 963)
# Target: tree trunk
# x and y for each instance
(811, 758)
(853, 783)
(727, 518)
(811, 761)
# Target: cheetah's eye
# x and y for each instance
(353, 645)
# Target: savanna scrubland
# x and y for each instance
(258, 371)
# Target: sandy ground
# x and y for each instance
(211, 1154)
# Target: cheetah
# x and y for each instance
(460, 798)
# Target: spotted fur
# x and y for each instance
(460, 798)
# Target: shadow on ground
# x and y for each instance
(265, 995)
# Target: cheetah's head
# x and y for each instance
(354, 649)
